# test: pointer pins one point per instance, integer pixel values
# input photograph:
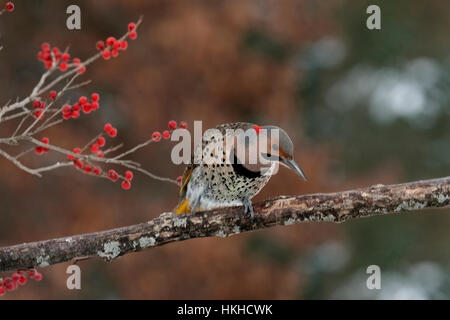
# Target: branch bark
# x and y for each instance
(283, 210)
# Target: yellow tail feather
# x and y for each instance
(183, 207)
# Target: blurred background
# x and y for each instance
(363, 107)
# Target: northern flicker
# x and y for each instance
(232, 164)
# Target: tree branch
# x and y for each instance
(332, 207)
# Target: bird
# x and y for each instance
(220, 175)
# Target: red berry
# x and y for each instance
(52, 94)
(123, 45)
(39, 150)
(172, 124)
(45, 46)
(179, 179)
(115, 53)
(128, 175)
(106, 54)
(2, 290)
(76, 107)
(126, 185)
(101, 141)
(100, 45)
(131, 26)
(94, 148)
(76, 61)
(48, 64)
(65, 57)
(107, 127)
(113, 132)
(116, 44)
(75, 150)
(183, 125)
(10, 285)
(166, 134)
(15, 276)
(67, 116)
(82, 100)
(94, 106)
(9, 6)
(78, 163)
(75, 114)
(63, 66)
(32, 272)
(38, 276)
(87, 168)
(36, 104)
(45, 140)
(95, 97)
(110, 41)
(112, 175)
(96, 171)
(66, 109)
(22, 280)
(156, 136)
(45, 54)
(133, 35)
(87, 108)
(100, 154)
(37, 114)
(81, 69)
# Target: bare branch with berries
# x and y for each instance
(280, 211)
(42, 109)
(17, 279)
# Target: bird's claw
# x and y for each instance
(248, 207)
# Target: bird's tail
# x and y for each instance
(182, 207)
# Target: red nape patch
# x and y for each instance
(257, 129)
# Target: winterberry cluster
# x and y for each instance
(156, 136)
(41, 150)
(126, 179)
(96, 145)
(110, 130)
(52, 57)
(88, 158)
(83, 104)
(95, 148)
(18, 278)
(39, 107)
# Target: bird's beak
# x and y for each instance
(291, 164)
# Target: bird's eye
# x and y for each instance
(268, 156)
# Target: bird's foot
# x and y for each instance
(248, 208)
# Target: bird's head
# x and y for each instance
(279, 147)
